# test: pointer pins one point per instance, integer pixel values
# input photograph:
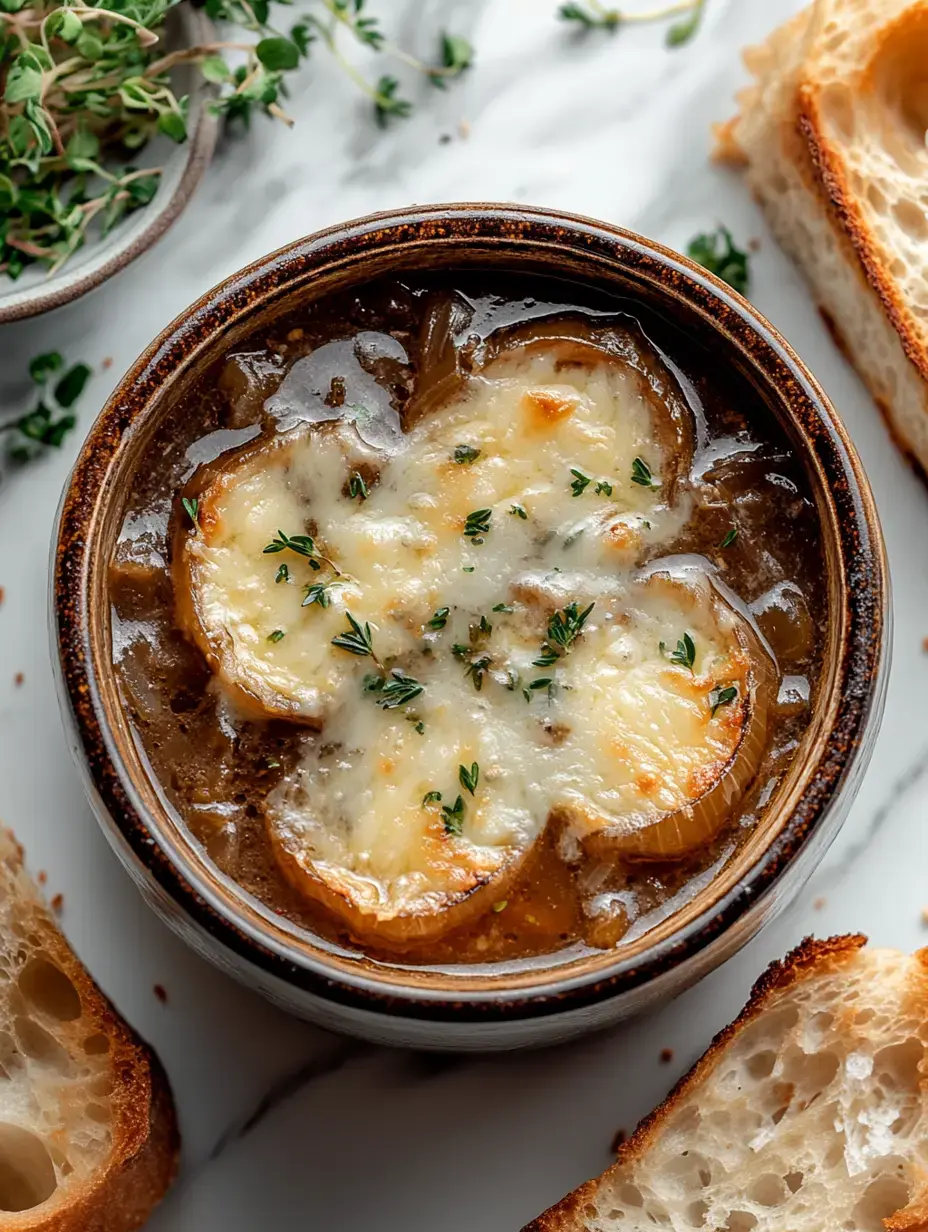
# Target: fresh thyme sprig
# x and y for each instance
(302, 545)
(357, 487)
(641, 474)
(684, 655)
(593, 15)
(357, 640)
(721, 696)
(729, 537)
(87, 84)
(469, 778)
(52, 418)
(477, 524)
(192, 510)
(565, 626)
(717, 252)
(400, 690)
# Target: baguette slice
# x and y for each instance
(808, 1114)
(88, 1137)
(832, 136)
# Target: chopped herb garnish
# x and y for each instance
(685, 653)
(548, 656)
(192, 509)
(641, 474)
(420, 728)
(466, 453)
(564, 627)
(357, 641)
(593, 15)
(477, 671)
(716, 252)
(484, 628)
(277, 636)
(399, 691)
(440, 619)
(516, 511)
(581, 482)
(283, 574)
(603, 487)
(454, 817)
(272, 763)
(357, 487)
(719, 697)
(468, 568)
(503, 607)
(477, 524)
(372, 683)
(431, 797)
(459, 651)
(316, 592)
(469, 777)
(729, 537)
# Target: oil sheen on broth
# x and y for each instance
(469, 620)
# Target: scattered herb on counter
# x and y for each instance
(357, 640)
(716, 251)
(439, 619)
(357, 487)
(565, 627)
(192, 509)
(581, 482)
(277, 636)
(469, 778)
(593, 15)
(516, 511)
(399, 691)
(719, 697)
(464, 454)
(641, 474)
(454, 817)
(729, 537)
(86, 87)
(52, 418)
(477, 524)
(685, 653)
(283, 574)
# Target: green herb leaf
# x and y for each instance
(503, 607)
(357, 641)
(357, 487)
(565, 626)
(466, 453)
(603, 488)
(315, 592)
(641, 474)
(454, 817)
(431, 797)
(387, 102)
(278, 54)
(581, 482)
(71, 385)
(517, 511)
(277, 636)
(685, 653)
(729, 537)
(719, 697)
(283, 574)
(65, 25)
(440, 619)
(192, 509)
(469, 778)
(682, 31)
(477, 670)
(44, 366)
(399, 691)
(303, 545)
(457, 54)
(716, 252)
(548, 656)
(215, 69)
(590, 17)
(477, 524)
(420, 728)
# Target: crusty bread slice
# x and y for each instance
(808, 1114)
(88, 1137)
(832, 136)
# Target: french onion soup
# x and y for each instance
(469, 621)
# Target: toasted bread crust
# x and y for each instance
(144, 1151)
(809, 958)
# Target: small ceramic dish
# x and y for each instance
(36, 291)
(457, 1008)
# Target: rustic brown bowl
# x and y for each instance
(473, 1010)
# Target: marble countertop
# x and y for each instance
(285, 1126)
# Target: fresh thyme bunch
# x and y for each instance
(85, 85)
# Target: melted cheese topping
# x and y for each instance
(620, 737)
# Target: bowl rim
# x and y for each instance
(860, 674)
(60, 289)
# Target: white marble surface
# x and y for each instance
(285, 1127)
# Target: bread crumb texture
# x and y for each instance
(807, 1114)
(87, 1133)
(831, 133)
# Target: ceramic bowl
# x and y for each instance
(420, 1007)
(37, 291)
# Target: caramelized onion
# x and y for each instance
(680, 831)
